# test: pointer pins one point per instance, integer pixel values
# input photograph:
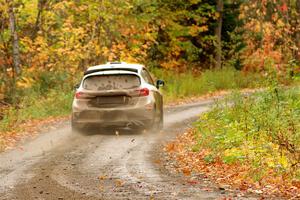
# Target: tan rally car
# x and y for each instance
(118, 95)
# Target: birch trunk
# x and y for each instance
(218, 32)
(15, 38)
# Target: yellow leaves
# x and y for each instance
(105, 51)
(195, 30)
(40, 41)
(242, 16)
(26, 42)
(2, 92)
(63, 5)
(194, 1)
(170, 64)
(82, 8)
(257, 27)
(128, 57)
(232, 152)
(203, 28)
(268, 29)
(96, 48)
(280, 23)
(29, 10)
(25, 83)
(150, 37)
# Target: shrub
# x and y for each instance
(262, 129)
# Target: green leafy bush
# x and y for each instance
(262, 129)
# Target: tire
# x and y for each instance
(76, 127)
(158, 123)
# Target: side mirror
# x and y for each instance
(76, 86)
(159, 83)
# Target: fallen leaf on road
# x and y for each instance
(296, 183)
(102, 178)
(170, 147)
(119, 183)
(192, 182)
(21, 148)
(186, 171)
(101, 188)
(157, 161)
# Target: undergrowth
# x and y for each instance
(261, 130)
(49, 95)
(56, 103)
(182, 85)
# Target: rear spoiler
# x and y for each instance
(109, 69)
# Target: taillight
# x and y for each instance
(144, 92)
(78, 95)
(81, 95)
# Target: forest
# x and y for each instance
(44, 43)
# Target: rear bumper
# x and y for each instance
(116, 117)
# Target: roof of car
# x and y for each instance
(115, 66)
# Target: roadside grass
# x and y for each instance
(184, 85)
(56, 103)
(261, 131)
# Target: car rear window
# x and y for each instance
(111, 82)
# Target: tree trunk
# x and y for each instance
(218, 32)
(15, 38)
(40, 7)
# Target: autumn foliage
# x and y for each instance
(189, 161)
(67, 36)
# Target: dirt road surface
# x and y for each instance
(60, 164)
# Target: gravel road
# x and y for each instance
(59, 164)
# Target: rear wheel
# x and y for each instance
(158, 123)
(76, 127)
